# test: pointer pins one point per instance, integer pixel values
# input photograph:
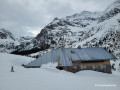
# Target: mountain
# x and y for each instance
(88, 29)
(25, 39)
(4, 34)
(9, 43)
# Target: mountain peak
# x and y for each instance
(5, 34)
(56, 18)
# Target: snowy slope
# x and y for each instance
(49, 78)
(107, 36)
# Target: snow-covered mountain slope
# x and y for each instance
(25, 43)
(50, 78)
(4, 34)
(9, 43)
(88, 29)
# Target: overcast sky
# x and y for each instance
(28, 17)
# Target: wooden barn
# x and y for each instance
(76, 59)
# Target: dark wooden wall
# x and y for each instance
(101, 66)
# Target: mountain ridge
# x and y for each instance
(88, 29)
(9, 43)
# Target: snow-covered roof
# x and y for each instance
(65, 56)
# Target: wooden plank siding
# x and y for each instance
(101, 66)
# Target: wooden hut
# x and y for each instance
(77, 59)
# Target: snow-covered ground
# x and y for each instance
(49, 78)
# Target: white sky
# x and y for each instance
(28, 17)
